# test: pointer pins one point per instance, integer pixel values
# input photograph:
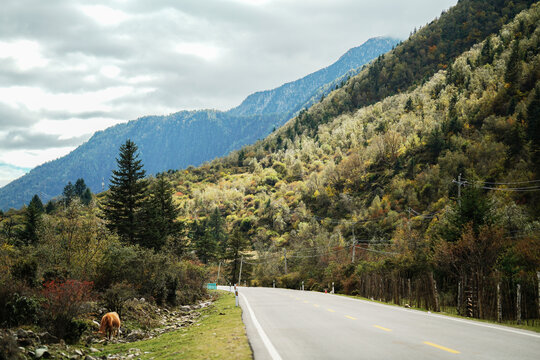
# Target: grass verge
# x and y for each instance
(219, 334)
(524, 326)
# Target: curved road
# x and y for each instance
(292, 324)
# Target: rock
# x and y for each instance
(185, 308)
(47, 338)
(88, 357)
(42, 353)
(79, 352)
(135, 335)
(94, 350)
(407, 306)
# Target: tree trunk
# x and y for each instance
(434, 291)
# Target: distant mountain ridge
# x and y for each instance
(189, 137)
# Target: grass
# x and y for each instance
(219, 334)
(453, 313)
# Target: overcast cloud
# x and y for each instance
(69, 68)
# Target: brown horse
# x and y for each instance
(110, 323)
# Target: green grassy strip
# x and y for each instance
(453, 313)
(219, 334)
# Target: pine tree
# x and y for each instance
(235, 246)
(533, 128)
(126, 194)
(68, 193)
(205, 245)
(86, 197)
(158, 216)
(215, 228)
(32, 221)
(80, 187)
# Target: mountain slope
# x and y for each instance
(188, 137)
(297, 94)
(387, 178)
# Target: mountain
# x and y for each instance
(437, 187)
(188, 137)
(302, 93)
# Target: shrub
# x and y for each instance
(63, 303)
(115, 296)
(9, 350)
(22, 309)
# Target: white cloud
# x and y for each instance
(205, 51)
(25, 53)
(104, 15)
(111, 71)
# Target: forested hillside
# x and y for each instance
(188, 137)
(436, 189)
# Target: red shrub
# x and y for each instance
(66, 297)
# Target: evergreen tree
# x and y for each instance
(205, 245)
(50, 207)
(86, 197)
(215, 228)
(158, 216)
(126, 194)
(533, 129)
(237, 244)
(32, 221)
(68, 193)
(80, 187)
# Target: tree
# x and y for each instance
(215, 228)
(32, 221)
(68, 193)
(159, 213)
(80, 187)
(235, 246)
(205, 245)
(86, 197)
(126, 194)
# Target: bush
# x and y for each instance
(63, 303)
(22, 310)
(290, 281)
(115, 297)
(25, 270)
(152, 275)
(9, 349)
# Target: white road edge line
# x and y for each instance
(470, 322)
(266, 341)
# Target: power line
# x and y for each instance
(502, 183)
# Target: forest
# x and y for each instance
(425, 194)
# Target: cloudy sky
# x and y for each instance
(71, 67)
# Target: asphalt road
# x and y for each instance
(292, 324)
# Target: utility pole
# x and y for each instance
(285, 256)
(218, 270)
(240, 275)
(459, 187)
(353, 246)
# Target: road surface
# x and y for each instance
(292, 324)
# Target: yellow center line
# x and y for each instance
(382, 328)
(306, 302)
(296, 298)
(350, 317)
(331, 310)
(316, 305)
(441, 347)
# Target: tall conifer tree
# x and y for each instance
(126, 194)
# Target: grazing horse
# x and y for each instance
(110, 323)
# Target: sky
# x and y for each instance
(69, 68)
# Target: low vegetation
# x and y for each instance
(219, 334)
